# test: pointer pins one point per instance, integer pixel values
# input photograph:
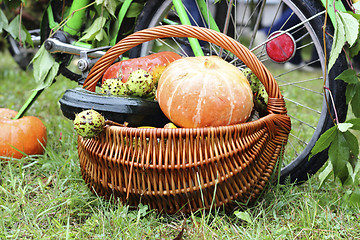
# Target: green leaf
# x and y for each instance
(355, 122)
(100, 35)
(324, 141)
(102, 38)
(143, 210)
(346, 30)
(343, 127)
(28, 38)
(339, 154)
(94, 29)
(245, 216)
(111, 6)
(134, 10)
(325, 173)
(49, 79)
(3, 21)
(349, 76)
(15, 30)
(19, 32)
(350, 92)
(355, 15)
(45, 68)
(339, 41)
(356, 172)
(352, 178)
(352, 142)
(351, 26)
(355, 197)
(355, 49)
(355, 102)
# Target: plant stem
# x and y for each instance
(28, 103)
(333, 103)
(20, 20)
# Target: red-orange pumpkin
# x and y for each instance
(204, 91)
(27, 134)
(154, 64)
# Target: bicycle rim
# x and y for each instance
(301, 82)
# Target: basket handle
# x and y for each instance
(276, 103)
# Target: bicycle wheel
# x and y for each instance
(21, 55)
(301, 82)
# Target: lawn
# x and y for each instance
(45, 197)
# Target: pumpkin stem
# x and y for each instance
(209, 63)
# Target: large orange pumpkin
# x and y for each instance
(204, 91)
(27, 135)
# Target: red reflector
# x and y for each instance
(282, 48)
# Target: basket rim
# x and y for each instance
(282, 121)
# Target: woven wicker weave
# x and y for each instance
(186, 169)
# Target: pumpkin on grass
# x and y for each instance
(25, 135)
(204, 91)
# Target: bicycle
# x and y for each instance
(307, 108)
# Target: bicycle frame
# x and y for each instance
(77, 14)
(184, 18)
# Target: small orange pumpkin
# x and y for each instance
(204, 91)
(26, 134)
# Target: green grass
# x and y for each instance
(45, 197)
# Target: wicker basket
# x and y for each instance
(186, 169)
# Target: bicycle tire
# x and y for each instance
(134, 111)
(299, 168)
